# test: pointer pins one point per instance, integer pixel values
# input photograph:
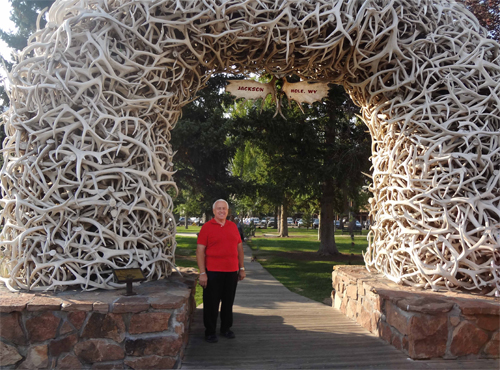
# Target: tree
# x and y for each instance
(283, 145)
(343, 157)
(24, 14)
(203, 150)
(487, 13)
(319, 152)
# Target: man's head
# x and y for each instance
(221, 209)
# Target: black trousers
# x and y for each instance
(220, 290)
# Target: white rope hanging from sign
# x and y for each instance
(95, 94)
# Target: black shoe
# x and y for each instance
(228, 334)
(211, 338)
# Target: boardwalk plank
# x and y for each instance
(278, 329)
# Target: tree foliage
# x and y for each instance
(24, 14)
(487, 13)
(203, 150)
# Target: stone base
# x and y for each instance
(421, 323)
(99, 329)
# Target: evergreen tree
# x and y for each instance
(203, 148)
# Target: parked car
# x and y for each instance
(315, 223)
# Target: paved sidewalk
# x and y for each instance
(278, 329)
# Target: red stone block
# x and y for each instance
(69, 362)
(425, 326)
(492, 349)
(365, 319)
(9, 355)
(75, 305)
(478, 307)
(44, 303)
(130, 305)
(351, 309)
(98, 350)
(161, 346)
(167, 302)
(396, 342)
(467, 339)
(152, 362)
(42, 327)
(108, 325)
(100, 307)
(36, 358)
(65, 328)
(10, 328)
(16, 303)
(181, 316)
(486, 322)
(179, 329)
(77, 318)
(114, 366)
(149, 322)
(343, 305)
(385, 332)
(396, 318)
(425, 305)
(352, 291)
(375, 320)
(428, 335)
(56, 347)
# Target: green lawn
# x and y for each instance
(292, 261)
(295, 263)
(185, 256)
(190, 230)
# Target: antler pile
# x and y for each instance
(96, 93)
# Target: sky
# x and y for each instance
(7, 25)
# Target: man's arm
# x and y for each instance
(241, 262)
(200, 258)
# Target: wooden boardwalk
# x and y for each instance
(278, 329)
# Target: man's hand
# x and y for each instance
(242, 274)
(203, 280)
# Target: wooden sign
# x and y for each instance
(300, 92)
(250, 89)
(305, 91)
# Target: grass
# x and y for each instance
(185, 256)
(293, 261)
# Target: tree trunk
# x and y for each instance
(284, 223)
(326, 231)
(278, 220)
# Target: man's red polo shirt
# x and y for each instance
(221, 242)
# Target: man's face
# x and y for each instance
(220, 211)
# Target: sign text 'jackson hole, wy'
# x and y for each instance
(300, 92)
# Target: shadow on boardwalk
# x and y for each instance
(278, 329)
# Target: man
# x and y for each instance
(219, 253)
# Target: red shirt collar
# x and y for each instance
(214, 221)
